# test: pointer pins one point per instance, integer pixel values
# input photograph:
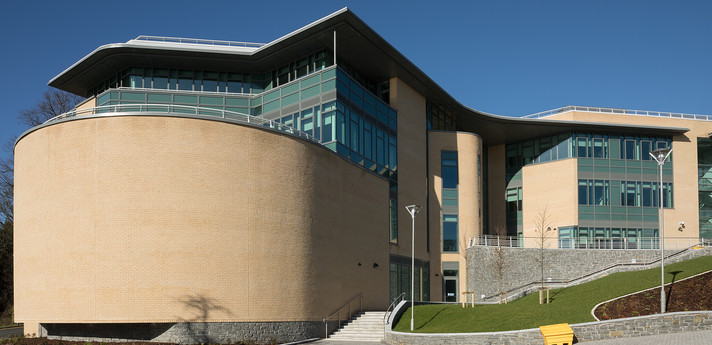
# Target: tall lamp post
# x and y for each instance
(413, 210)
(660, 156)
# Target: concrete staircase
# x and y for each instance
(367, 326)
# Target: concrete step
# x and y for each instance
(366, 326)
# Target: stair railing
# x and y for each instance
(338, 313)
(392, 306)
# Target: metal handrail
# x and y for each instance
(617, 111)
(393, 305)
(338, 313)
(532, 285)
(613, 243)
(187, 110)
(199, 41)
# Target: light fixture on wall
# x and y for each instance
(681, 227)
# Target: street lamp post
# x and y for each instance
(413, 210)
(660, 156)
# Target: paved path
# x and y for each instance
(689, 338)
(343, 342)
(6, 332)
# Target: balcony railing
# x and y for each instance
(588, 243)
(617, 112)
(183, 110)
(199, 41)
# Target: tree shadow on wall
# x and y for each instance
(197, 327)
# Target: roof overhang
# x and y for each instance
(357, 44)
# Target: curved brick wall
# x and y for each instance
(153, 219)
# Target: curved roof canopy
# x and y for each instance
(357, 43)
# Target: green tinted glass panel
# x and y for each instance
(584, 168)
(617, 163)
(211, 100)
(603, 216)
(328, 86)
(290, 89)
(310, 81)
(600, 169)
(615, 148)
(585, 209)
(449, 202)
(133, 96)
(271, 106)
(185, 99)
(617, 170)
(650, 218)
(256, 101)
(270, 96)
(586, 216)
(651, 211)
(619, 209)
(310, 92)
(633, 171)
(618, 217)
(449, 193)
(635, 218)
(159, 97)
(328, 74)
(103, 98)
(635, 210)
(291, 99)
(585, 161)
(240, 102)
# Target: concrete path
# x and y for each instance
(696, 338)
(6, 332)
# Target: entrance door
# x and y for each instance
(450, 289)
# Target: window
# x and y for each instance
(645, 149)
(449, 169)
(598, 148)
(581, 147)
(582, 192)
(630, 149)
(450, 233)
(394, 220)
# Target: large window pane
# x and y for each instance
(450, 233)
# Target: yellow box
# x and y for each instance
(559, 334)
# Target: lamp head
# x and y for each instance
(660, 155)
(413, 209)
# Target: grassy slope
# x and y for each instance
(568, 305)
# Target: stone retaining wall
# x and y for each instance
(188, 332)
(561, 265)
(610, 329)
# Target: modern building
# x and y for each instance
(262, 187)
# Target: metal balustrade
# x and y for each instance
(184, 110)
(616, 111)
(199, 41)
(588, 243)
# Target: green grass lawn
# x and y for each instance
(568, 305)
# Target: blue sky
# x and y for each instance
(505, 57)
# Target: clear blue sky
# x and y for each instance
(504, 57)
